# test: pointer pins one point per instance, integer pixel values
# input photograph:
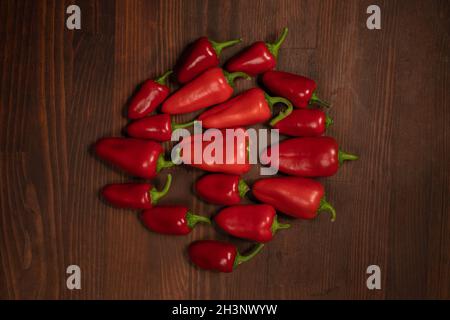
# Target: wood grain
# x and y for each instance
(61, 90)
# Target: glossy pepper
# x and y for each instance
(221, 189)
(257, 222)
(304, 123)
(200, 56)
(200, 152)
(175, 220)
(219, 256)
(311, 156)
(301, 91)
(258, 58)
(140, 158)
(158, 127)
(298, 197)
(149, 96)
(211, 87)
(251, 107)
(135, 195)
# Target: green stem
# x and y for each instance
(283, 114)
(344, 156)
(276, 225)
(243, 188)
(328, 121)
(315, 99)
(274, 47)
(232, 76)
(325, 205)
(163, 163)
(219, 46)
(155, 195)
(182, 125)
(162, 80)
(193, 219)
(241, 258)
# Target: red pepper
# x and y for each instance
(140, 158)
(219, 256)
(175, 220)
(251, 107)
(149, 96)
(304, 123)
(135, 195)
(238, 161)
(200, 56)
(311, 156)
(221, 189)
(258, 58)
(158, 127)
(294, 196)
(297, 89)
(211, 87)
(256, 222)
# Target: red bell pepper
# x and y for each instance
(158, 127)
(298, 197)
(304, 123)
(310, 156)
(251, 107)
(134, 195)
(256, 222)
(221, 189)
(258, 58)
(149, 96)
(300, 90)
(200, 56)
(238, 159)
(175, 220)
(140, 158)
(211, 87)
(219, 256)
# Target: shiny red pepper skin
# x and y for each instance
(258, 58)
(211, 87)
(297, 89)
(240, 163)
(149, 96)
(129, 195)
(200, 56)
(217, 255)
(158, 127)
(174, 220)
(304, 123)
(311, 156)
(140, 158)
(134, 195)
(298, 197)
(256, 222)
(221, 189)
(249, 108)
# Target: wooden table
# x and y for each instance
(63, 89)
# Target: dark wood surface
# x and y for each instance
(61, 90)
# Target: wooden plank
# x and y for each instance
(61, 90)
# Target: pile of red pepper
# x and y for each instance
(308, 154)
